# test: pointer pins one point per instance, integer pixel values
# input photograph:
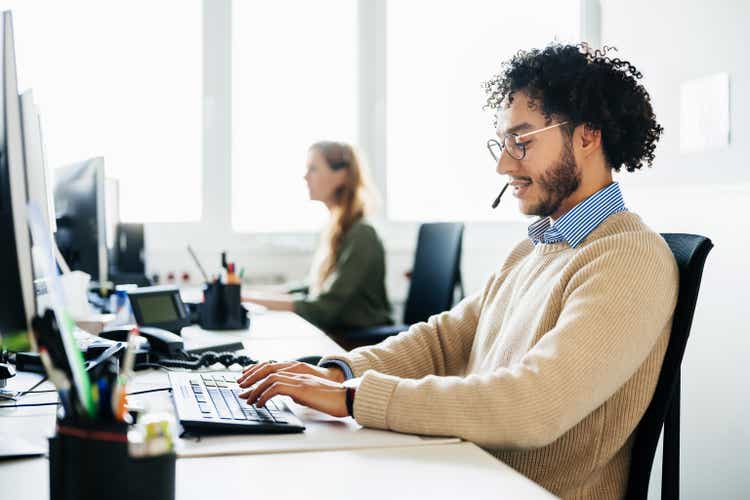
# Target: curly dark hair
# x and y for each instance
(584, 87)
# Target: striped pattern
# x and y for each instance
(577, 223)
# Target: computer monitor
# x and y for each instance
(80, 211)
(16, 268)
(37, 172)
(112, 217)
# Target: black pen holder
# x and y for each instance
(90, 461)
(222, 308)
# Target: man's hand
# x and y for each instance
(305, 389)
(255, 373)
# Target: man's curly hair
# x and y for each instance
(584, 87)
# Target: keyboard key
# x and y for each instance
(249, 410)
(264, 414)
(219, 404)
(217, 397)
(279, 417)
(233, 405)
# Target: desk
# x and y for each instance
(335, 457)
(436, 472)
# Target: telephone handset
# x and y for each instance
(160, 341)
(167, 349)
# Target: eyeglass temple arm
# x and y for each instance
(540, 130)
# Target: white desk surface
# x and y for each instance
(268, 325)
(333, 456)
(435, 472)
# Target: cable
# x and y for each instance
(141, 366)
(57, 403)
(206, 359)
(149, 390)
(29, 404)
(31, 390)
(44, 379)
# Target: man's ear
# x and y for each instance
(590, 139)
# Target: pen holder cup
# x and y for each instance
(222, 308)
(91, 462)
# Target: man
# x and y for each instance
(551, 366)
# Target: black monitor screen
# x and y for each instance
(157, 308)
(80, 216)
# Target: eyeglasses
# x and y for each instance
(513, 144)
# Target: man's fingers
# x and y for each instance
(253, 394)
(259, 373)
(275, 389)
(251, 368)
(252, 376)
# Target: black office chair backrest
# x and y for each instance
(436, 271)
(690, 252)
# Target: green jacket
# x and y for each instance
(354, 295)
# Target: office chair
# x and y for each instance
(434, 277)
(690, 252)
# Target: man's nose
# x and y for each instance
(506, 164)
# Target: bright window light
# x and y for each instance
(294, 82)
(122, 80)
(438, 54)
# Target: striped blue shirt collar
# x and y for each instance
(578, 222)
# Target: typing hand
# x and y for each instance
(253, 374)
(309, 390)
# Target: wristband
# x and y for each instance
(350, 392)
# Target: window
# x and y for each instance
(294, 82)
(122, 80)
(436, 131)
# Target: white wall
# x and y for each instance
(704, 193)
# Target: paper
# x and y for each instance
(704, 114)
(322, 432)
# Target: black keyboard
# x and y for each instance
(210, 401)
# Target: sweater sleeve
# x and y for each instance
(614, 309)
(439, 346)
(352, 268)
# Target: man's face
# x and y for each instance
(548, 174)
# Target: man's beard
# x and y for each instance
(557, 184)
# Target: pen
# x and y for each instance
(119, 395)
(197, 263)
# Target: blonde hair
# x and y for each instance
(352, 200)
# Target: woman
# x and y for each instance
(347, 279)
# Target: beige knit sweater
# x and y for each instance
(549, 368)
